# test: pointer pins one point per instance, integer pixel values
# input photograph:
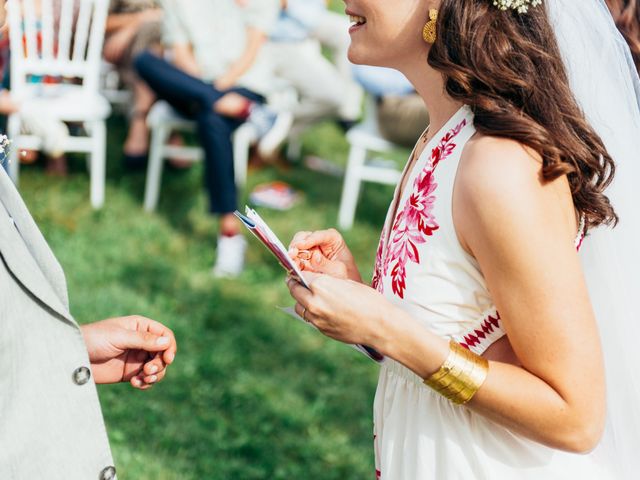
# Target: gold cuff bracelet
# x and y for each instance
(460, 376)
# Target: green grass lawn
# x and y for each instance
(253, 394)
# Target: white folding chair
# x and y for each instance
(365, 140)
(164, 120)
(68, 45)
(110, 87)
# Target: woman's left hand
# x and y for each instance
(344, 310)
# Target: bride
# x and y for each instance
(502, 294)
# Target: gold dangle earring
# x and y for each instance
(429, 32)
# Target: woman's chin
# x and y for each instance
(352, 56)
(359, 56)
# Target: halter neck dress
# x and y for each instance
(422, 268)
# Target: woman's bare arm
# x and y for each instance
(520, 231)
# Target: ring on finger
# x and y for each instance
(304, 254)
(304, 313)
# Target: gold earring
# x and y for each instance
(429, 33)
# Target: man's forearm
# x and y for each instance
(118, 21)
(184, 59)
(255, 40)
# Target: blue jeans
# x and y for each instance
(195, 99)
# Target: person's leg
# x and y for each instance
(187, 94)
(137, 141)
(54, 138)
(321, 88)
(53, 134)
(147, 37)
(197, 99)
(215, 132)
(333, 31)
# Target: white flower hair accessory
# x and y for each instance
(520, 6)
(5, 144)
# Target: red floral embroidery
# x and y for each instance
(414, 223)
(486, 328)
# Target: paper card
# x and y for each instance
(262, 232)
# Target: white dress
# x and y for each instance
(422, 268)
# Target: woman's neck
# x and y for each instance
(430, 86)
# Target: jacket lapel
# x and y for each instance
(26, 253)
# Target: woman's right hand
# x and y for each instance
(324, 251)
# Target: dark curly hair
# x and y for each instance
(626, 14)
(507, 67)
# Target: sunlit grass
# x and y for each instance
(253, 394)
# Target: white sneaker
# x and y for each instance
(262, 118)
(230, 257)
(274, 138)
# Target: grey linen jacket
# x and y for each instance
(51, 425)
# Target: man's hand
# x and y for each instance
(226, 81)
(129, 349)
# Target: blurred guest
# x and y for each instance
(326, 89)
(52, 424)
(402, 114)
(132, 27)
(626, 14)
(331, 29)
(53, 133)
(219, 79)
(4, 49)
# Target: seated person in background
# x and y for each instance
(331, 29)
(132, 27)
(53, 133)
(219, 79)
(52, 425)
(294, 49)
(402, 114)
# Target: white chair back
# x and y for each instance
(60, 38)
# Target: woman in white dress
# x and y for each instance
(494, 361)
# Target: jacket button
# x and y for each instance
(108, 473)
(81, 375)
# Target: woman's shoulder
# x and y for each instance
(499, 181)
(499, 162)
(494, 169)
